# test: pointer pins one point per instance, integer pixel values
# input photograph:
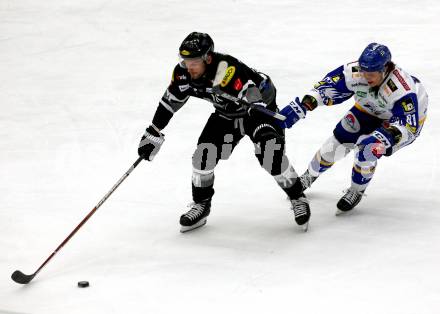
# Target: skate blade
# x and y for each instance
(304, 227)
(201, 223)
(342, 213)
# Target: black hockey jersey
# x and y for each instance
(238, 80)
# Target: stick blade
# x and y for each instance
(19, 277)
(220, 74)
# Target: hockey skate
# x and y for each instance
(307, 180)
(348, 201)
(301, 209)
(196, 216)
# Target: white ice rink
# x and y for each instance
(79, 82)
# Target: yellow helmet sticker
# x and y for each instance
(230, 71)
(185, 53)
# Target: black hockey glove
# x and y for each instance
(150, 143)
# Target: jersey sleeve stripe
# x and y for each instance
(168, 107)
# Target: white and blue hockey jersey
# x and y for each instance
(401, 99)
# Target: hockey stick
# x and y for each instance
(221, 75)
(249, 105)
(19, 277)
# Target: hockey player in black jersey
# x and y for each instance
(240, 96)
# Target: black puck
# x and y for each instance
(83, 284)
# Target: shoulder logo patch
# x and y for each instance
(320, 83)
(183, 87)
(181, 77)
(230, 71)
(407, 106)
(401, 80)
(391, 85)
(238, 84)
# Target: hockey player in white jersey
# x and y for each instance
(388, 114)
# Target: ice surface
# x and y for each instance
(80, 81)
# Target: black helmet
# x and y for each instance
(196, 45)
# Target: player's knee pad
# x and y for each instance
(265, 132)
(269, 148)
(333, 150)
(365, 154)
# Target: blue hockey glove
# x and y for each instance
(377, 144)
(293, 112)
